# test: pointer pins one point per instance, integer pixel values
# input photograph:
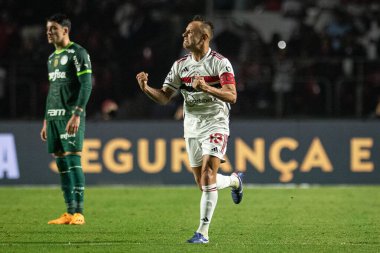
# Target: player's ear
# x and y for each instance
(65, 30)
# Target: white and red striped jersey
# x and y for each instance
(217, 71)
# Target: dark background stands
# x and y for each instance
(328, 69)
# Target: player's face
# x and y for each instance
(55, 32)
(192, 37)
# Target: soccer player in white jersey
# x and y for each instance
(207, 83)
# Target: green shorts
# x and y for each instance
(59, 140)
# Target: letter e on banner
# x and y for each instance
(8, 157)
(361, 155)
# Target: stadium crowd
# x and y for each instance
(326, 67)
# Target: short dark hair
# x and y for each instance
(207, 25)
(61, 19)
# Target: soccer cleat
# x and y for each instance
(237, 193)
(78, 219)
(64, 219)
(197, 238)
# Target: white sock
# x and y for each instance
(208, 203)
(234, 180)
(226, 181)
(223, 181)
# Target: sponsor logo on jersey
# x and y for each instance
(55, 64)
(71, 51)
(56, 112)
(191, 100)
(64, 59)
(65, 136)
(57, 75)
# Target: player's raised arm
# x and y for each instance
(160, 96)
(227, 93)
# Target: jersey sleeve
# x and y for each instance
(173, 80)
(82, 62)
(83, 66)
(226, 73)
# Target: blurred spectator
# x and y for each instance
(109, 110)
(123, 18)
(337, 29)
(7, 31)
(283, 82)
(371, 40)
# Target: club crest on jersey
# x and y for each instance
(64, 60)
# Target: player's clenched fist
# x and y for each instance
(142, 79)
(199, 83)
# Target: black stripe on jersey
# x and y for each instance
(191, 89)
(187, 88)
(171, 85)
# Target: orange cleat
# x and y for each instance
(64, 219)
(78, 219)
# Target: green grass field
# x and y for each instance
(160, 219)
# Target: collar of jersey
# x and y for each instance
(64, 49)
(204, 57)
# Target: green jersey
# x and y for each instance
(70, 81)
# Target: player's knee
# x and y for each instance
(207, 175)
(78, 153)
(58, 154)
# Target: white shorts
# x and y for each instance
(215, 145)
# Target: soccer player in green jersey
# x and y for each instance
(63, 128)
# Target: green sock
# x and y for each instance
(67, 183)
(75, 166)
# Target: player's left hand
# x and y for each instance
(73, 124)
(199, 83)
